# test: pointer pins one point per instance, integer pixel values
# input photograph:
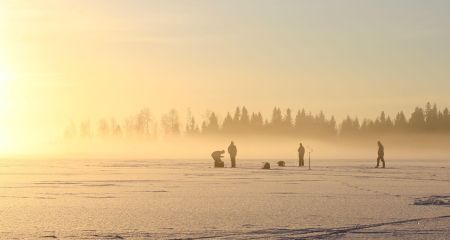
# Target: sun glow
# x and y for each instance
(5, 79)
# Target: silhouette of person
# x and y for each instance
(301, 156)
(232, 150)
(217, 156)
(380, 155)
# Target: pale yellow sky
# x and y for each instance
(74, 60)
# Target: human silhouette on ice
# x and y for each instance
(217, 156)
(301, 156)
(380, 155)
(232, 150)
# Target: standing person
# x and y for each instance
(232, 150)
(301, 156)
(380, 155)
(217, 156)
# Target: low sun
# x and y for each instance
(4, 77)
(5, 84)
(5, 103)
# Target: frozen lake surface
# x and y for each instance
(173, 199)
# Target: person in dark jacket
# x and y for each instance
(217, 156)
(232, 150)
(380, 155)
(301, 156)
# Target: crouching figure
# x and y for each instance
(217, 156)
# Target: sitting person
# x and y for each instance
(217, 155)
(266, 165)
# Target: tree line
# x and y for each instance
(300, 123)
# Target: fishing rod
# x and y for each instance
(310, 150)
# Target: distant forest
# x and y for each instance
(282, 123)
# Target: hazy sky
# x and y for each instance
(63, 60)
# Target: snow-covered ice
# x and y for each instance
(173, 199)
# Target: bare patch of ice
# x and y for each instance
(433, 200)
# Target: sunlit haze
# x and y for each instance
(225, 119)
(63, 61)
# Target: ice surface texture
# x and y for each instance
(177, 199)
